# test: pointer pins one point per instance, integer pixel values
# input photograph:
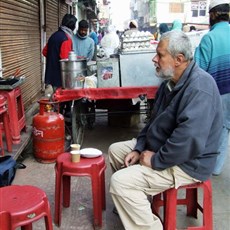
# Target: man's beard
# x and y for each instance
(165, 74)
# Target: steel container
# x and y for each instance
(73, 73)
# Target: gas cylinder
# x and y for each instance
(48, 132)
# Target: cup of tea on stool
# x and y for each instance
(75, 147)
(75, 155)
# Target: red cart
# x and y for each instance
(80, 108)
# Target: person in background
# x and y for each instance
(100, 36)
(110, 42)
(58, 47)
(213, 55)
(176, 25)
(93, 35)
(83, 45)
(186, 28)
(178, 145)
(192, 28)
(133, 27)
(163, 28)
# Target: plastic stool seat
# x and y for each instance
(22, 205)
(5, 126)
(92, 167)
(169, 201)
(16, 112)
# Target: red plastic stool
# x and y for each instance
(170, 202)
(22, 205)
(4, 126)
(16, 112)
(92, 167)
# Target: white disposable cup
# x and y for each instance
(75, 147)
(75, 156)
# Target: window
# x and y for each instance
(176, 8)
(198, 8)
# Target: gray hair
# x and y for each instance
(179, 43)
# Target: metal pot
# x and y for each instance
(73, 73)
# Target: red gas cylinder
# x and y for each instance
(48, 133)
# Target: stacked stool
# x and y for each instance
(16, 112)
(4, 127)
(92, 167)
(20, 206)
(169, 201)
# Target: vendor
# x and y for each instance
(133, 27)
(83, 45)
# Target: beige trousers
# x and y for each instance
(130, 188)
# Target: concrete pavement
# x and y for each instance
(79, 215)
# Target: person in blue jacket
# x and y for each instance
(213, 55)
(83, 45)
(178, 146)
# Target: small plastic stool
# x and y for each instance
(20, 206)
(4, 127)
(170, 202)
(92, 167)
(16, 112)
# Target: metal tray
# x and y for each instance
(11, 84)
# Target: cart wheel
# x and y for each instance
(78, 121)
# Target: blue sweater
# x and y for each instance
(83, 46)
(213, 55)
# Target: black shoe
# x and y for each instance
(115, 211)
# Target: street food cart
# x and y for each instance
(128, 75)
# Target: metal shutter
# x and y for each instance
(20, 43)
(63, 10)
(51, 14)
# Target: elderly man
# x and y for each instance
(178, 146)
(213, 55)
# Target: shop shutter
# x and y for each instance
(63, 10)
(20, 44)
(52, 19)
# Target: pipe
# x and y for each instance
(43, 40)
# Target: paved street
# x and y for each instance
(79, 215)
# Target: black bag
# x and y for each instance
(8, 168)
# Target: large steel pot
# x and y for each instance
(73, 73)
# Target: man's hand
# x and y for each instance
(132, 158)
(145, 158)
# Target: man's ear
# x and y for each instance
(179, 59)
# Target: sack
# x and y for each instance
(8, 168)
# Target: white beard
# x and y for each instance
(166, 74)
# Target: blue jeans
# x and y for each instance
(223, 146)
